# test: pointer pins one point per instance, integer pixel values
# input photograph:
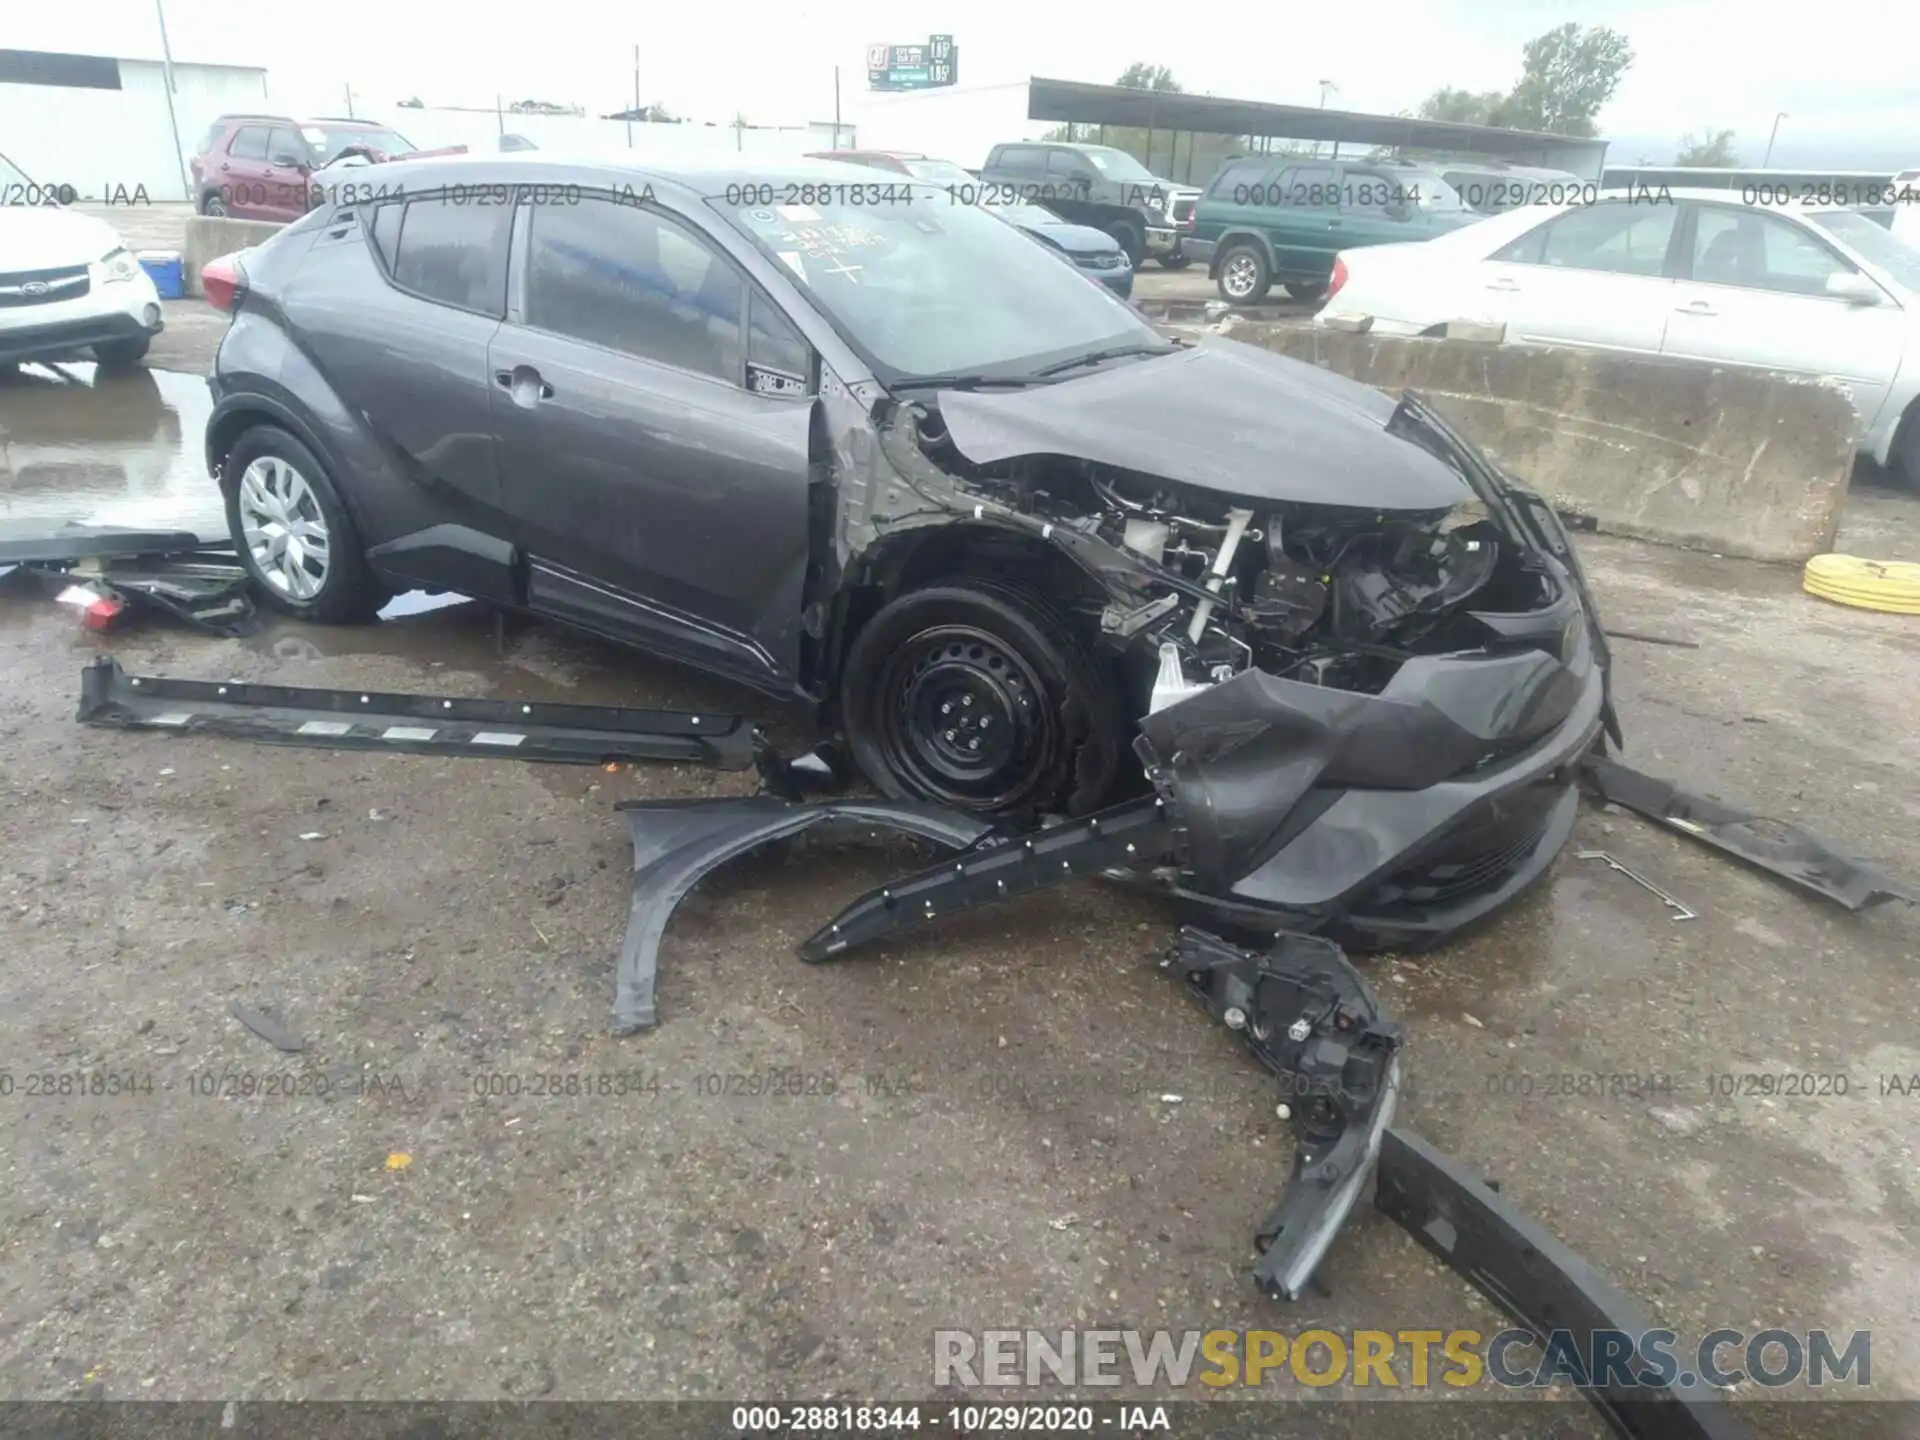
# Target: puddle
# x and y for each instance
(109, 450)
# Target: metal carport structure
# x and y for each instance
(1077, 103)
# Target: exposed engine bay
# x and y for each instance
(1330, 595)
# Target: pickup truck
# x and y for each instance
(1099, 186)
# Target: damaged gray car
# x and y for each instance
(852, 441)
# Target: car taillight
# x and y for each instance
(1339, 277)
(223, 282)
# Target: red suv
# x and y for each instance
(259, 167)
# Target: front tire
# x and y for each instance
(293, 532)
(1132, 239)
(976, 694)
(120, 355)
(1175, 262)
(1244, 277)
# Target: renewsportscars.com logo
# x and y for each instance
(1412, 1359)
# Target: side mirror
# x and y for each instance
(291, 162)
(1854, 288)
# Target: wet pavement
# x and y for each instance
(1009, 1119)
(121, 450)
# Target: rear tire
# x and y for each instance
(293, 533)
(1306, 289)
(214, 204)
(978, 695)
(120, 355)
(1244, 278)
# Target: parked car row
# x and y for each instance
(1692, 275)
(263, 167)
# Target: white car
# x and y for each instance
(1692, 274)
(68, 287)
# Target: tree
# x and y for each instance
(1462, 107)
(1716, 150)
(1142, 76)
(1566, 75)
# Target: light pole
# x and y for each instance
(1325, 87)
(1770, 137)
(173, 118)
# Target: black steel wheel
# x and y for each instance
(975, 695)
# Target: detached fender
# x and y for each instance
(678, 843)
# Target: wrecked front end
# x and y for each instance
(1365, 668)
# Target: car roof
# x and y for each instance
(281, 118)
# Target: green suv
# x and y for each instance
(1280, 217)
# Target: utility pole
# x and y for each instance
(836, 107)
(1770, 137)
(636, 94)
(349, 89)
(173, 119)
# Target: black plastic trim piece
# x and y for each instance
(357, 720)
(1518, 1264)
(1797, 856)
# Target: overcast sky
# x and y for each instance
(1845, 79)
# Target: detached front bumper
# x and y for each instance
(1385, 821)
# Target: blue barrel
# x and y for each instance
(166, 271)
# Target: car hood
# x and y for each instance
(33, 238)
(1220, 416)
(1076, 240)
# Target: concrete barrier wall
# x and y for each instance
(208, 237)
(1736, 461)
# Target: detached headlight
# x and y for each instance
(118, 265)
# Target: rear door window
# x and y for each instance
(455, 254)
(1614, 237)
(628, 279)
(249, 143)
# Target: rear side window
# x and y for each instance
(1027, 159)
(249, 143)
(453, 254)
(626, 279)
(212, 137)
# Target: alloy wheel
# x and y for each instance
(1241, 274)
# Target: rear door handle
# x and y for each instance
(1506, 285)
(524, 383)
(1696, 307)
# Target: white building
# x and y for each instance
(102, 124)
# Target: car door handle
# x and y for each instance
(524, 383)
(1696, 307)
(1505, 285)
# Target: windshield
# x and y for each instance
(1116, 164)
(1435, 193)
(329, 140)
(902, 283)
(941, 172)
(1878, 246)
